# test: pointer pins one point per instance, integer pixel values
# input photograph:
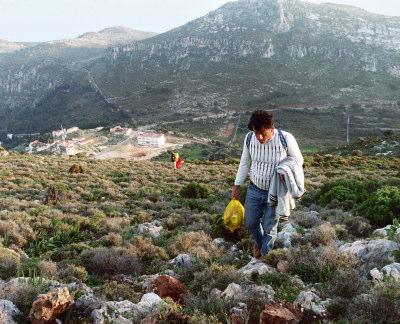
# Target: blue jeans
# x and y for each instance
(260, 219)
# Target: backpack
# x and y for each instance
(282, 138)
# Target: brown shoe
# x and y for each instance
(256, 251)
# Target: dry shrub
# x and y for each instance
(215, 276)
(111, 261)
(323, 234)
(112, 239)
(318, 264)
(347, 283)
(48, 269)
(74, 272)
(196, 243)
(381, 305)
(173, 221)
(273, 257)
(9, 263)
(144, 217)
(307, 220)
(114, 224)
(22, 293)
(144, 248)
(358, 226)
(114, 290)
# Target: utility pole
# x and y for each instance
(348, 128)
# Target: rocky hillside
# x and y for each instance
(120, 241)
(31, 77)
(244, 54)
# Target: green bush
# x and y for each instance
(382, 207)
(194, 190)
(347, 192)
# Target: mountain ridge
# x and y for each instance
(245, 54)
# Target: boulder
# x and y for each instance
(152, 229)
(219, 241)
(381, 232)
(167, 286)
(285, 235)
(256, 266)
(371, 251)
(390, 270)
(126, 312)
(280, 314)
(310, 301)
(182, 260)
(47, 307)
(239, 314)
(8, 312)
(235, 293)
(146, 282)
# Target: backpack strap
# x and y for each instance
(282, 139)
(249, 136)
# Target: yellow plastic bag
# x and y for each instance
(234, 215)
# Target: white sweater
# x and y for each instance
(262, 159)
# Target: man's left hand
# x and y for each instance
(282, 177)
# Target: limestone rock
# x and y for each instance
(182, 260)
(371, 251)
(310, 301)
(8, 311)
(256, 266)
(285, 235)
(390, 270)
(152, 229)
(126, 312)
(234, 293)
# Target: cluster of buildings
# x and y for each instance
(66, 141)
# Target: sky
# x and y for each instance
(45, 20)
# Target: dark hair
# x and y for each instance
(261, 119)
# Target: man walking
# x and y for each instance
(264, 147)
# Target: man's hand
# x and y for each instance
(235, 192)
(282, 177)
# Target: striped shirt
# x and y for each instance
(262, 159)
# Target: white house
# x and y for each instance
(58, 133)
(72, 130)
(151, 139)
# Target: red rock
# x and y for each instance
(280, 314)
(152, 319)
(47, 307)
(236, 319)
(167, 286)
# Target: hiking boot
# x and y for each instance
(256, 251)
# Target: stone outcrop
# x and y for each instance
(48, 307)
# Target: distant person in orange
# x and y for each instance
(177, 160)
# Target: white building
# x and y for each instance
(72, 130)
(151, 139)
